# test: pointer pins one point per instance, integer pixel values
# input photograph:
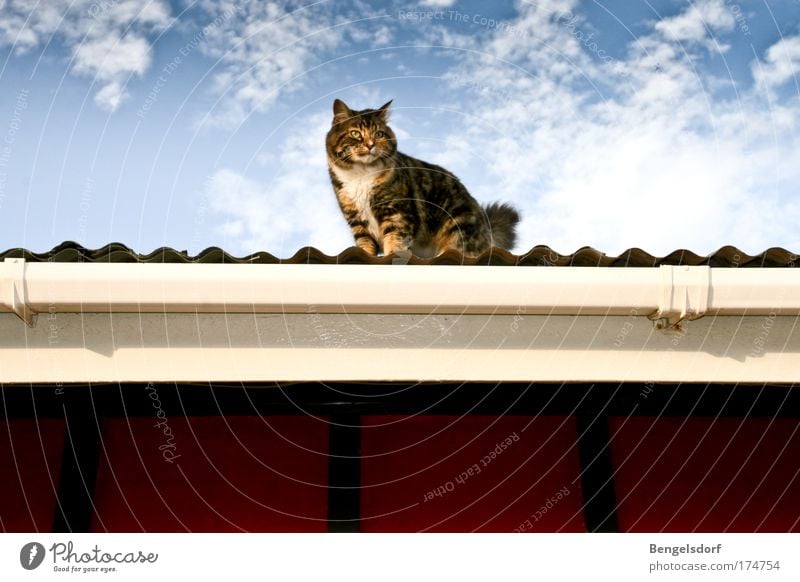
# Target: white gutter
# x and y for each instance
(667, 294)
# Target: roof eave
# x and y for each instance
(667, 292)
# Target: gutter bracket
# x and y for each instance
(684, 295)
(12, 283)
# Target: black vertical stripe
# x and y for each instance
(80, 458)
(344, 473)
(597, 473)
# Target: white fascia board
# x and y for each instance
(111, 347)
(263, 323)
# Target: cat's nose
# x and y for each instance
(370, 144)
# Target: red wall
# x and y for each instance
(248, 473)
(264, 474)
(30, 462)
(406, 460)
(706, 474)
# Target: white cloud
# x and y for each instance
(297, 204)
(439, 3)
(781, 63)
(382, 36)
(642, 153)
(539, 37)
(110, 96)
(693, 24)
(650, 184)
(264, 50)
(26, 23)
(109, 58)
(108, 39)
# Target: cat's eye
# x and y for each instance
(355, 134)
(380, 134)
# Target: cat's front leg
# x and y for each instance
(397, 235)
(358, 226)
(363, 238)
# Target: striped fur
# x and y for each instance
(396, 203)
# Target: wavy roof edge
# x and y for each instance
(727, 256)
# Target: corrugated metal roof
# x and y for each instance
(728, 256)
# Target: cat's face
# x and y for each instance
(360, 137)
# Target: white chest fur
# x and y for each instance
(358, 183)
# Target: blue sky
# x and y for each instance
(658, 124)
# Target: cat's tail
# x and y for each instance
(503, 219)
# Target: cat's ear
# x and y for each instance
(384, 109)
(341, 112)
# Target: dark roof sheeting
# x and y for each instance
(728, 256)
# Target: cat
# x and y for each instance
(397, 204)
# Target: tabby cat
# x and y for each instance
(395, 203)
